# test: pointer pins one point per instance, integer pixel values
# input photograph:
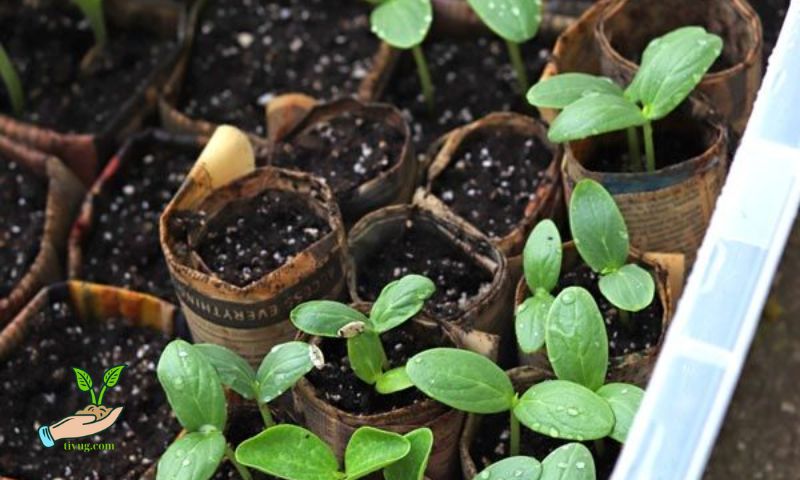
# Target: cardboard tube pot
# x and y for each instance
(291, 118)
(64, 193)
(335, 426)
(626, 26)
(667, 210)
(545, 200)
(86, 152)
(635, 367)
(250, 319)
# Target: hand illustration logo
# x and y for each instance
(93, 418)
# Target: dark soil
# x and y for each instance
(250, 238)
(338, 385)
(492, 178)
(347, 151)
(472, 79)
(457, 276)
(644, 330)
(23, 196)
(772, 13)
(246, 52)
(243, 423)
(492, 445)
(47, 44)
(40, 389)
(123, 247)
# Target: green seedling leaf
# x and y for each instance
(402, 23)
(630, 288)
(326, 318)
(367, 357)
(572, 461)
(399, 301)
(527, 468)
(531, 321)
(195, 456)
(11, 80)
(111, 377)
(594, 114)
(513, 20)
(291, 452)
(624, 400)
(672, 66)
(192, 386)
(561, 90)
(541, 258)
(598, 228)
(370, 449)
(577, 342)
(562, 409)
(462, 379)
(82, 379)
(283, 366)
(234, 371)
(393, 381)
(93, 11)
(413, 465)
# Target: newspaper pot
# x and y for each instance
(335, 426)
(86, 151)
(64, 193)
(667, 210)
(92, 303)
(545, 200)
(174, 118)
(626, 26)
(635, 367)
(292, 117)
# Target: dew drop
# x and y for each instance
(568, 298)
(562, 465)
(185, 462)
(417, 360)
(554, 432)
(573, 412)
(485, 475)
(580, 465)
(183, 353)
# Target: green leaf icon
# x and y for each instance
(111, 377)
(83, 379)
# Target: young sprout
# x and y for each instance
(404, 24)
(671, 68)
(398, 302)
(195, 393)
(294, 453)
(516, 22)
(11, 82)
(283, 366)
(93, 11)
(572, 461)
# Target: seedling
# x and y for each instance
(572, 461)
(195, 393)
(283, 366)
(516, 22)
(110, 379)
(294, 453)
(93, 11)
(404, 24)
(671, 68)
(398, 302)
(11, 82)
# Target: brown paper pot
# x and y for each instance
(668, 210)
(546, 199)
(335, 426)
(626, 26)
(252, 319)
(64, 193)
(86, 152)
(489, 310)
(392, 186)
(668, 270)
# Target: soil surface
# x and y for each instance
(40, 389)
(23, 196)
(250, 238)
(347, 151)
(122, 247)
(337, 384)
(47, 45)
(492, 178)
(472, 79)
(246, 52)
(645, 326)
(492, 445)
(457, 276)
(772, 13)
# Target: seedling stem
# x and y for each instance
(231, 456)
(649, 149)
(11, 80)
(424, 76)
(625, 317)
(93, 10)
(514, 442)
(519, 66)
(266, 415)
(634, 150)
